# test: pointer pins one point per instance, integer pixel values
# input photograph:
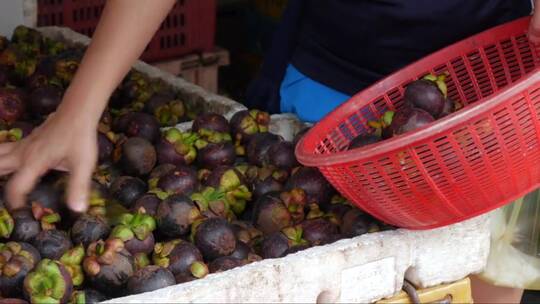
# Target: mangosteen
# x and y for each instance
(317, 188)
(175, 215)
(87, 296)
(108, 266)
(49, 282)
(257, 150)
(25, 127)
(135, 88)
(16, 260)
(136, 124)
(12, 105)
(281, 155)
(105, 148)
(72, 260)
(46, 196)
(356, 222)
(141, 260)
(244, 124)
(295, 249)
(274, 245)
(177, 148)
(89, 228)
(407, 120)
(44, 100)
(211, 121)
(66, 65)
(182, 180)
(126, 190)
(224, 263)
(6, 223)
(52, 244)
(158, 172)
(242, 251)
(319, 231)
(138, 156)
(213, 203)
(30, 221)
(150, 278)
(450, 106)
(215, 238)
(180, 257)
(245, 232)
(167, 109)
(269, 184)
(232, 183)
(213, 155)
(135, 230)
(184, 278)
(270, 213)
(363, 140)
(336, 212)
(424, 94)
(149, 202)
(295, 200)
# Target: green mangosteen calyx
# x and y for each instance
(295, 236)
(184, 143)
(46, 216)
(49, 282)
(11, 135)
(295, 200)
(213, 200)
(137, 225)
(72, 260)
(6, 223)
(439, 81)
(14, 258)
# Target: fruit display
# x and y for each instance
(425, 100)
(167, 206)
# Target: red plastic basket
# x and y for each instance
(189, 28)
(468, 163)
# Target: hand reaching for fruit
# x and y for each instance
(534, 26)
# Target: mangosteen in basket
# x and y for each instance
(150, 278)
(224, 263)
(12, 105)
(317, 188)
(135, 230)
(138, 156)
(177, 148)
(270, 213)
(135, 88)
(29, 222)
(87, 296)
(136, 124)
(182, 180)
(257, 150)
(158, 172)
(215, 238)
(127, 189)
(363, 140)
(52, 244)
(450, 106)
(108, 266)
(49, 282)
(44, 100)
(16, 260)
(269, 184)
(274, 245)
(149, 202)
(212, 122)
(242, 251)
(409, 119)
(89, 228)
(426, 94)
(244, 124)
(72, 260)
(175, 215)
(180, 257)
(105, 148)
(281, 155)
(214, 149)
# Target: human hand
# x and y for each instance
(65, 141)
(534, 27)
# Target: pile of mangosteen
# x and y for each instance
(167, 206)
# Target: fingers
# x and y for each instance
(7, 148)
(79, 184)
(534, 31)
(23, 182)
(9, 163)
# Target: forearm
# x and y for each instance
(125, 28)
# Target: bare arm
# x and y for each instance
(68, 138)
(534, 26)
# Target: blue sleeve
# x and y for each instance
(263, 91)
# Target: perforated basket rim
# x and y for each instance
(305, 148)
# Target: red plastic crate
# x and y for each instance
(189, 27)
(470, 162)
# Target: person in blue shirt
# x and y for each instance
(325, 51)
